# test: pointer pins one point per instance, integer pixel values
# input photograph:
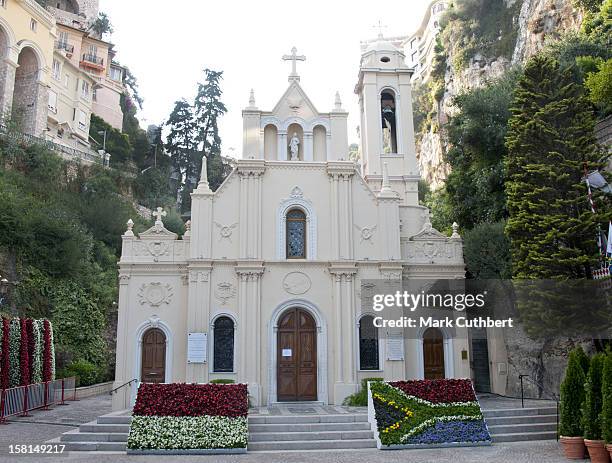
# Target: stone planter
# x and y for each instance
(597, 451)
(573, 447)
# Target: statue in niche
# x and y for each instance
(294, 147)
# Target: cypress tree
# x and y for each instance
(591, 408)
(606, 392)
(572, 396)
(549, 140)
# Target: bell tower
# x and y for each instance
(387, 132)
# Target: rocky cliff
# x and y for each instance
(511, 37)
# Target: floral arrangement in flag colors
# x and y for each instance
(27, 353)
(428, 412)
(189, 416)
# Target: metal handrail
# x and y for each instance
(553, 395)
(122, 386)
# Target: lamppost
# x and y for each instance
(103, 132)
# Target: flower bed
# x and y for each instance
(426, 413)
(189, 418)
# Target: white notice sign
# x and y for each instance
(286, 352)
(395, 347)
(196, 348)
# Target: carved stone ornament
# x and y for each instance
(225, 231)
(366, 233)
(155, 294)
(296, 283)
(297, 192)
(224, 292)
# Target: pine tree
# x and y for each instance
(550, 139)
(208, 108)
(182, 148)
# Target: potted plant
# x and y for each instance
(570, 416)
(606, 410)
(591, 411)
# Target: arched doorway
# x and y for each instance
(153, 365)
(433, 354)
(297, 356)
(27, 103)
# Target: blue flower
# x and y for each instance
(452, 431)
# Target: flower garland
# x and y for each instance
(15, 344)
(36, 361)
(24, 359)
(5, 362)
(48, 345)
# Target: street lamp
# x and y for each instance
(103, 132)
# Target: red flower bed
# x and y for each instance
(438, 390)
(24, 358)
(192, 400)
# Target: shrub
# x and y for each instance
(606, 392)
(222, 381)
(584, 360)
(360, 398)
(591, 408)
(572, 396)
(86, 372)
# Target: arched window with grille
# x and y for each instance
(296, 234)
(368, 344)
(223, 347)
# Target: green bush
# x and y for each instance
(222, 381)
(86, 372)
(606, 392)
(572, 396)
(591, 408)
(360, 399)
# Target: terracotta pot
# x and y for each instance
(597, 451)
(609, 448)
(573, 447)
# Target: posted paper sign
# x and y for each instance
(395, 347)
(196, 348)
(286, 352)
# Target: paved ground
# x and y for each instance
(519, 452)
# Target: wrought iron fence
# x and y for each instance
(22, 399)
(93, 59)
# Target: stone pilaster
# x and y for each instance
(198, 314)
(7, 86)
(250, 173)
(121, 399)
(340, 176)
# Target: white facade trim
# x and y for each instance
(322, 393)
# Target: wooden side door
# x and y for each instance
(433, 354)
(153, 356)
(297, 357)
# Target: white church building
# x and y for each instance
(265, 285)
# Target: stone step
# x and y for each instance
(523, 428)
(304, 436)
(312, 445)
(523, 436)
(519, 412)
(503, 420)
(78, 436)
(93, 426)
(309, 427)
(108, 419)
(304, 419)
(94, 446)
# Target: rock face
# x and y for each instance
(537, 21)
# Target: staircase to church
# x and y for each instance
(303, 432)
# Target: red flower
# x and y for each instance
(24, 358)
(438, 390)
(47, 370)
(192, 400)
(31, 346)
(5, 363)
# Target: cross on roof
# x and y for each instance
(294, 57)
(159, 213)
(380, 28)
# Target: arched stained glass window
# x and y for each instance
(223, 348)
(368, 344)
(296, 234)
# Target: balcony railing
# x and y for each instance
(64, 46)
(92, 59)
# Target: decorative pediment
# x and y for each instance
(295, 102)
(428, 233)
(158, 232)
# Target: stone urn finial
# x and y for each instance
(455, 234)
(130, 225)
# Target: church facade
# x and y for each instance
(265, 285)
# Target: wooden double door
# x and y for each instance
(433, 354)
(153, 366)
(297, 356)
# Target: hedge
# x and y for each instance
(427, 412)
